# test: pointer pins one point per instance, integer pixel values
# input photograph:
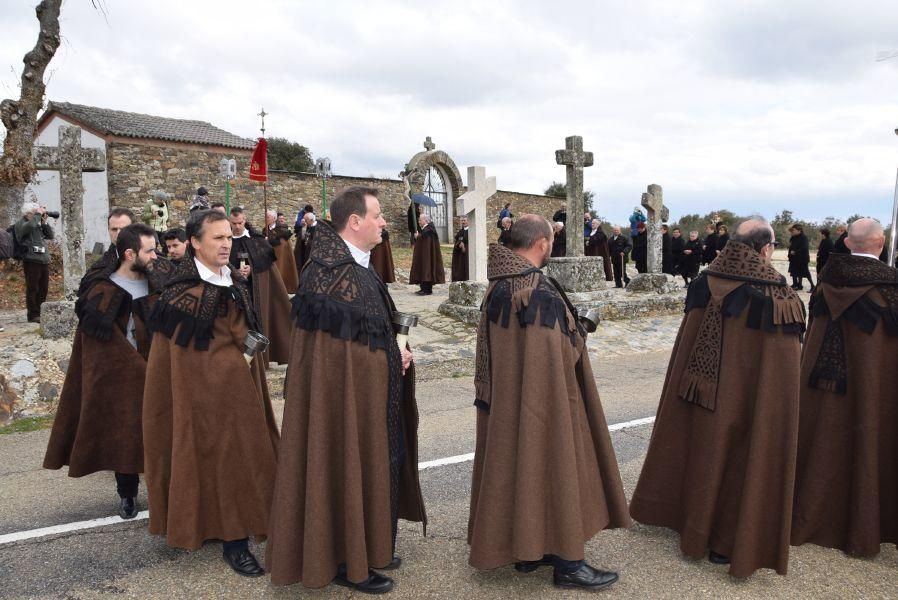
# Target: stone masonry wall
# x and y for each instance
(135, 171)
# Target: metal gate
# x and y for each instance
(435, 187)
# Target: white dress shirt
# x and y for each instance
(360, 256)
(222, 278)
(867, 255)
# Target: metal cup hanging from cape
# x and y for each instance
(255, 343)
(402, 324)
(589, 318)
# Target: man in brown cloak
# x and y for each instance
(118, 219)
(209, 432)
(382, 259)
(278, 234)
(253, 258)
(721, 462)
(348, 467)
(427, 260)
(846, 486)
(545, 476)
(98, 421)
(460, 253)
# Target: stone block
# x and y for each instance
(58, 319)
(659, 283)
(577, 273)
(467, 293)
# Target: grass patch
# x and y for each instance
(27, 424)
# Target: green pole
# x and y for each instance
(323, 197)
(228, 196)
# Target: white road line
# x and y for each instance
(19, 536)
(76, 526)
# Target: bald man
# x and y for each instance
(545, 477)
(846, 488)
(721, 462)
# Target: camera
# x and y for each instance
(52, 214)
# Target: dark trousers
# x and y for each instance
(126, 484)
(37, 281)
(802, 272)
(620, 271)
(235, 545)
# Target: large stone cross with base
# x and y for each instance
(574, 158)
(653, 201)
(473, 205)
(71, 160)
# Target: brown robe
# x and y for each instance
(98, 421)
(303, 247)
(721, 462)
(210, 437)
(342, 482)
(460, 256)
(269, 295)
(427, 260)
(545, 476)
(597, 245)
(382, 259)
(279, 238)
(846, 487)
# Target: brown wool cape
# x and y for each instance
(279, 238)
(382, 259)
(348, 462)
(846, 486)
(721, 461)
(98, 420)
(545, 475)
(269, 295)
(427, 260)
(459, 256)
(210, 437)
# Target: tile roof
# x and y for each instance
(135, 125)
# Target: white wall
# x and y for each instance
(96, 190)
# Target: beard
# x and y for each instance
(139, 266)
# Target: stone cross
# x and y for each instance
(71, 160)
(653, 201)
(574, 158)
(428, 144)
(473, 205)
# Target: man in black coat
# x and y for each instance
(667, 258)
(677, 246)
(619, 246)
(799, 257)
(839, 246)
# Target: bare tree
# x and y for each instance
(20, 116)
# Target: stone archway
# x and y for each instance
(435, 169)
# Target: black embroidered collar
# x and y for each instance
(741, 262)
(849, 270)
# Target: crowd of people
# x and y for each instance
(167, 379)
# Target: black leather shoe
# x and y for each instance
(375, 584)
(393, 565)
(718, 559)
(529, 566)
(585, 577)
(244, 563)
(127, 509)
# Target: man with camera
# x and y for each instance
(31, 232)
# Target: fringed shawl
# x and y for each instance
(518, 289)
(737, 280)
(843, 296)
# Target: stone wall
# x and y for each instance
(135, 171)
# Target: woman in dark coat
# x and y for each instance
(723, 236)
(799, 257)
(824, 249)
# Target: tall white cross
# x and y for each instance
(472, 204)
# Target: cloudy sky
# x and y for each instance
(755, 106)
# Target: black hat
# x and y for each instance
(202, 191)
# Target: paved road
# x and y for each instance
(123, 561)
